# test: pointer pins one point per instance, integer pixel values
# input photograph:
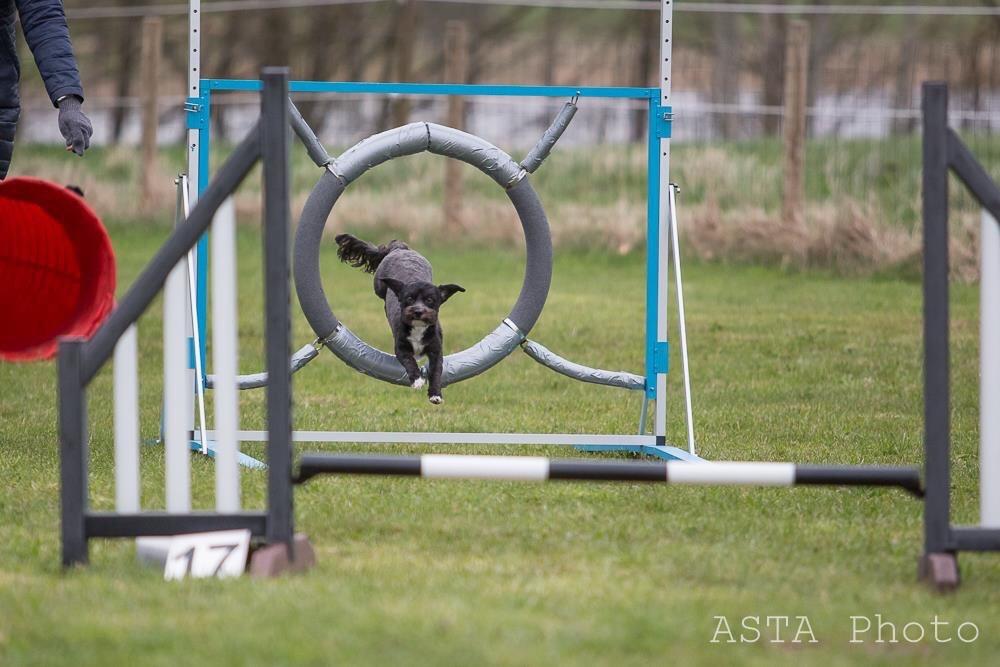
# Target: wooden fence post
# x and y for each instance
(796, 79)
(152, 48)
(456, 70)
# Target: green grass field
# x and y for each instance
(786, 366)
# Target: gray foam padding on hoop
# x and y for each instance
(478, 152)
(363, 357)
(545, 145)
(373, 151)
(308, 286)
(457, 367)
(309, 139)
(256, 380)
(550, 359)
(538, 256)
(408, 140)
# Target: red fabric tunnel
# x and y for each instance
(57, 268)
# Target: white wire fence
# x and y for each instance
(794, 9)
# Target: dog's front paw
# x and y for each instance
(436, 400)
(417, 384)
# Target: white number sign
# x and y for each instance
(220, 554)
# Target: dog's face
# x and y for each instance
(420, 301)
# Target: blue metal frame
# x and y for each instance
(201, 275)
(657, 351)
(199, 110)
(665, 452)
(468, 90)
(659, 124)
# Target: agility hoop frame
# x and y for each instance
(660, 231)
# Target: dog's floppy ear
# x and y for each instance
(446, 291)
(395, 285)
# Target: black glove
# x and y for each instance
(74, 125)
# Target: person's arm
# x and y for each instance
(45, 30)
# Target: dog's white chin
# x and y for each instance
(436, 400)
(418, 383)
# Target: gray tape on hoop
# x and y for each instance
(256, 380)
(545, 145)
(550, 359)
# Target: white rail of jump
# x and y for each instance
(453, 438)
(126, 417)
(225, 353)
(176, 402)
(178, 386)
(989, 376)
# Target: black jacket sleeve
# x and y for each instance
(45, 30)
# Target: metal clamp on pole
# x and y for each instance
(544, 146)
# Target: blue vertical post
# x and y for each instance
(201, 253)
(652, 247)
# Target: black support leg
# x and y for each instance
(274, 151)
(936, 357)
(73, 453)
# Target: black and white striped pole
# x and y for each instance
(540, 469)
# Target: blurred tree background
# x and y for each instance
(729, 64)
(866, 62)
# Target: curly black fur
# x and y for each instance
(362, 254)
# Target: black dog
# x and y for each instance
(403, 280)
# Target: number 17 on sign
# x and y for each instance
(219, 554)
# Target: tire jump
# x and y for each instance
(513, 177)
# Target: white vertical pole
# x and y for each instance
(989, 373)
(194, 90)
(126, 411)
(193, 171)
(193, 330)
(681, 320)
(665, 83)
(189, 373)
(225, 357)
(176, 390)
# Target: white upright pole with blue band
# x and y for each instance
(663, 265)
(192, 192)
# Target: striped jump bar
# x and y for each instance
(539, 469)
